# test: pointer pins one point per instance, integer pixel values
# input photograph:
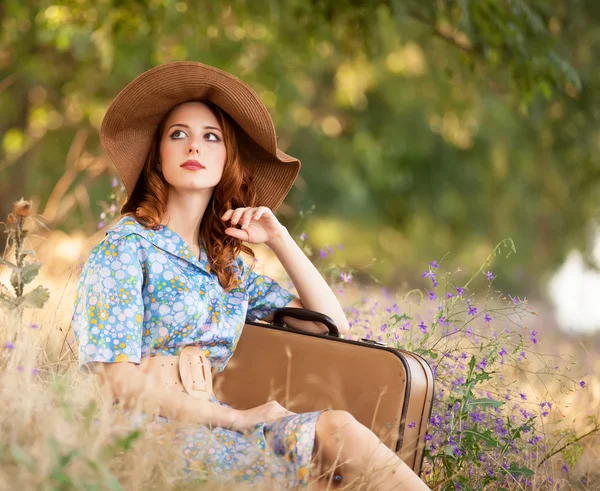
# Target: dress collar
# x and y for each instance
(164, 238)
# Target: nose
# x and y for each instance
(194, 148)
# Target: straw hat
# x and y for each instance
(131, 121)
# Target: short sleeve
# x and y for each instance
(109, 309)
(265, 295)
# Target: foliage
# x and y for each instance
(434, 126)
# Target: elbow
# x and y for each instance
(343, 328)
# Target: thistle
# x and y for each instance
(23, 272)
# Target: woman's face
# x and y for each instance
(191, 132)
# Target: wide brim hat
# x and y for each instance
(131, 121)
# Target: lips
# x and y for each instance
(193, 164)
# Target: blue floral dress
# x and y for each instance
(141, 293)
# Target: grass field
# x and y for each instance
(48, 409)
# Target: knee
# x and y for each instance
(336, 422)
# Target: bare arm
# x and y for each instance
(136, 389)
(313, 290)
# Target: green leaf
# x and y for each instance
(485, 403)
(35, 298)
(20, 456)
(515, 470)
(449, 451)
(14, 280)
(122, 444)
(30, 271)
(486, 436)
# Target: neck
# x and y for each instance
(184, 214)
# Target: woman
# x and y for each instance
(163, 298)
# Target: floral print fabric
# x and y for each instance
(143, 293)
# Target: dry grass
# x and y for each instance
(60, 432)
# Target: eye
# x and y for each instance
(216, 137)
(175, 132)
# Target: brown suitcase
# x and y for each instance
(387, 390)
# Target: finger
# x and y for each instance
(235, 218)
(227, 214)
(238, 233)
(247, 216)
(261, 210)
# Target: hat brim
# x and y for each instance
(131, 121)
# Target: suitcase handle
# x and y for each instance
(305, 315)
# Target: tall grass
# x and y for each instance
(513, 410)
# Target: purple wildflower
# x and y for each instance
(423, 327)
(34, 326)
(460, 290)
(434, 264)
(490, 276)
(533, 337)
(472, 310)
(340, 246)
(582, 384)
(346, 277)
(383, 327)
(322, 253)
(100, 225)
(9, 345)
(114, 182)
(487, 318)
(523, 396)
(412, 424)
(329, 249)
(449, 295)
(303, 236)
(432, 295)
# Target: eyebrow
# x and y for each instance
(186, 126)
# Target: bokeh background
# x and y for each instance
(426, 130)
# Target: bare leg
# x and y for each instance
(357, 454)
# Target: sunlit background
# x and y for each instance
(433, 133)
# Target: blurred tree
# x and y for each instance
(433, 126)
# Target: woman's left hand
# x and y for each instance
(258, 224)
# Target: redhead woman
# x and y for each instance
(163, 298)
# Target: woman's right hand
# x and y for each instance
(248, 418)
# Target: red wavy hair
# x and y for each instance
(236, 189)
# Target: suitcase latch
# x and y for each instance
(372, 341)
